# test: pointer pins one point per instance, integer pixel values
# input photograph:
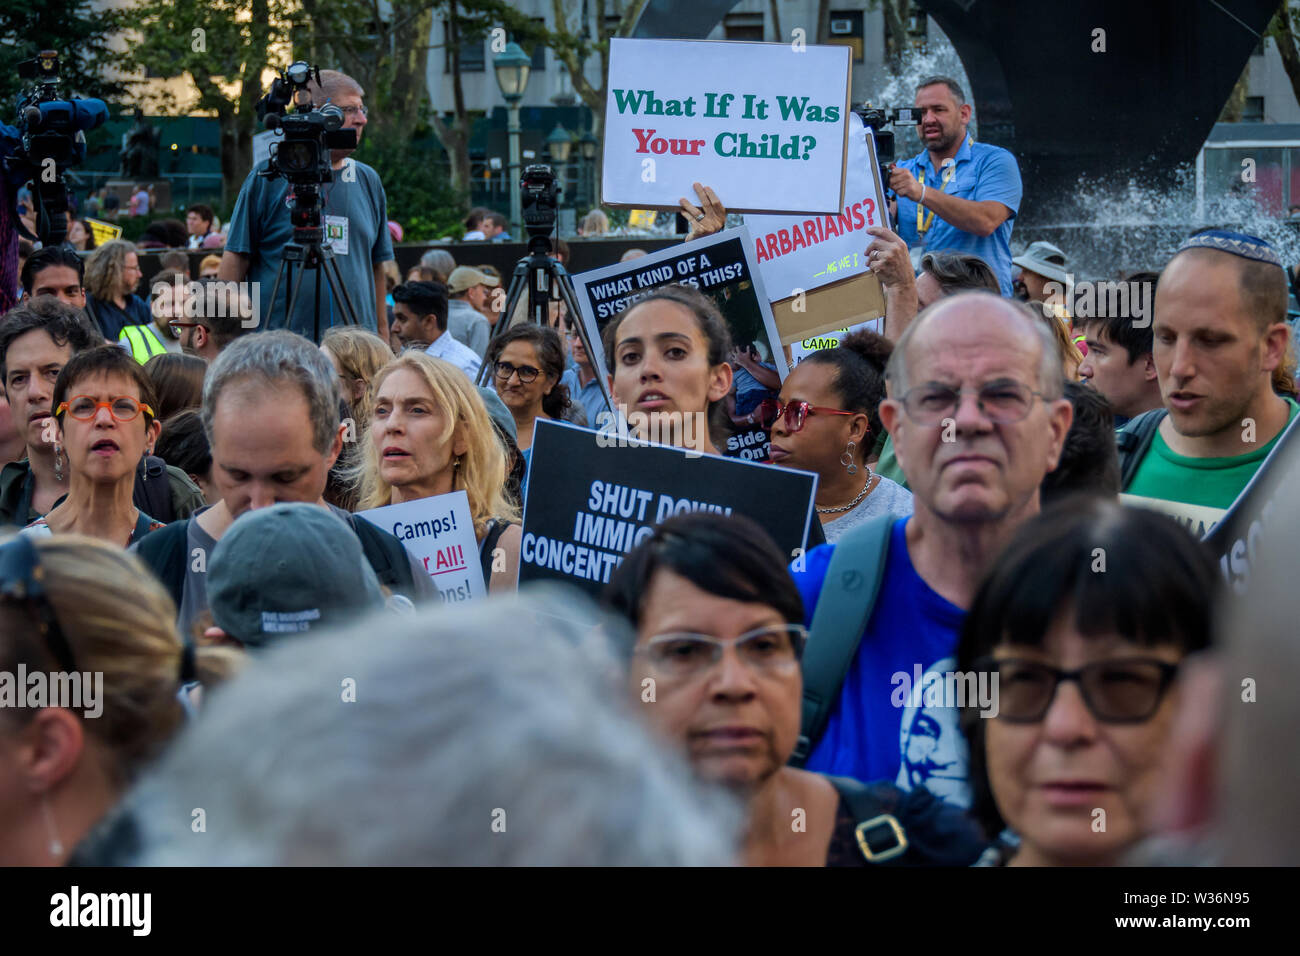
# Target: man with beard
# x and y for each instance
(956, 195)
(1218, 334)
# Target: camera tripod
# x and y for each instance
(538, 273)
(309, 254)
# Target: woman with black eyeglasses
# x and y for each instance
(527, 362)
(104, 420)
(826, 421)
(1084, 622)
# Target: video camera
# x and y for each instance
(303, 156)
(539, 195)
(51, 137)
(886, 149)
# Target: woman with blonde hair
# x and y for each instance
(91, 617)
(430, 434)
(358, 355)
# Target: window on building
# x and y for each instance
(845, 29)
(1253, 110)
(535, 49)
(473, 50)
(743, 26)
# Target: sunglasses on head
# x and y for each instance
(770, 410)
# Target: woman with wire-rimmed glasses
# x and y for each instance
(104, 421)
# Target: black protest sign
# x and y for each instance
(592, 497)
(722, 267)
(1234, 540)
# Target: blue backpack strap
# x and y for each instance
(1132, 442)
(847, 598)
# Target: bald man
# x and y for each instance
(976, 410)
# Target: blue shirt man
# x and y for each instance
(957, 195)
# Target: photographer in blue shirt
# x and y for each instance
(957, 195)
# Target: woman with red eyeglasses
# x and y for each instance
(826, 421)
(104, 420)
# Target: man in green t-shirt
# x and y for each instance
(1219, 333)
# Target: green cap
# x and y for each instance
(288, 569)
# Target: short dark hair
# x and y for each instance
(1262, 287)
(62, 323)
(561, 250)
(104, 360)
(178, 382)
(1089, 459)
(1160, 586)
(497, 219)
(953, 86)
(730, 556)
(46, 257)
(550, 356)
(958, 271)
(1120, 329)
(221, 318)
(424, 298)
(184, 444)
(205, 212)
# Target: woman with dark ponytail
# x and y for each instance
(826, 421)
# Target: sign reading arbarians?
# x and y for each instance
(588, 503)
(439, 533)
(763, 123)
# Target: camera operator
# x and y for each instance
(354, 203)
(957, 195)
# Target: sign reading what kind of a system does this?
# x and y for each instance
(765, 124)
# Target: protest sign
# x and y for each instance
(591, 500)
(767, 121)
(1234, 539)
(103, 232)
(722, 267)
(798, 253)
(439, 533)
(803, 348)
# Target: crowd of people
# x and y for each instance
(1009, 499)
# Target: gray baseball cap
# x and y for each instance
(1045, 259)
(288, 569)
(498, 412)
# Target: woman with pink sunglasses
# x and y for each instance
(826, 421)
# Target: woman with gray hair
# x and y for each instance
(504, 743)
(112, 276)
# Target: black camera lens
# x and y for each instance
(296, 156)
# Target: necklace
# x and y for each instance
(854, 503)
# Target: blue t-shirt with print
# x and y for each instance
(980, 173)
(878, 730)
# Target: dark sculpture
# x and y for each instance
(140, 149)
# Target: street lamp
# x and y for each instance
(559, 143)
(588, 144)
(512, 67)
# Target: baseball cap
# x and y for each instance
(1045, 259)
(287, 569)
(466, 277)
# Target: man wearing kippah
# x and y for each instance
(1219, 332)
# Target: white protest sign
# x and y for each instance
(803, 348)
(762, 123)
(801, 253)
(439, 533)
(262, 146)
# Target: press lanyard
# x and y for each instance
(922, 223)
